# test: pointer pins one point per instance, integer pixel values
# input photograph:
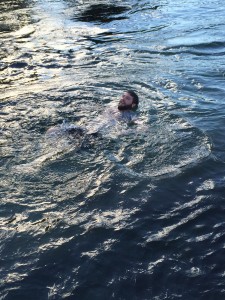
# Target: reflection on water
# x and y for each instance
(137, 213)
(103, 12)
(14, 15)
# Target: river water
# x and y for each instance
(138, 213)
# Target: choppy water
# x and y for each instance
(129, 216)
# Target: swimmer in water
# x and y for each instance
(129, 101)
(125, 112)
(127, 106)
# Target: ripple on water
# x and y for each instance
(110, 219)
(164, 147)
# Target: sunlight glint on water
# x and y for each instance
(137, 212)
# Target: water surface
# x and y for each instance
(139, 213)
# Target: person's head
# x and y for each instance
(128, 101)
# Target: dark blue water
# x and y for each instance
(139, 213)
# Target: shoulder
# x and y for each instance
(130, 116)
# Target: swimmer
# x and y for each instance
(127, 106)
(125, 112)
(129, 101)
(64, 128)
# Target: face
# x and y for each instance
(126, 102)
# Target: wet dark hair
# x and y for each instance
(134, 96)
